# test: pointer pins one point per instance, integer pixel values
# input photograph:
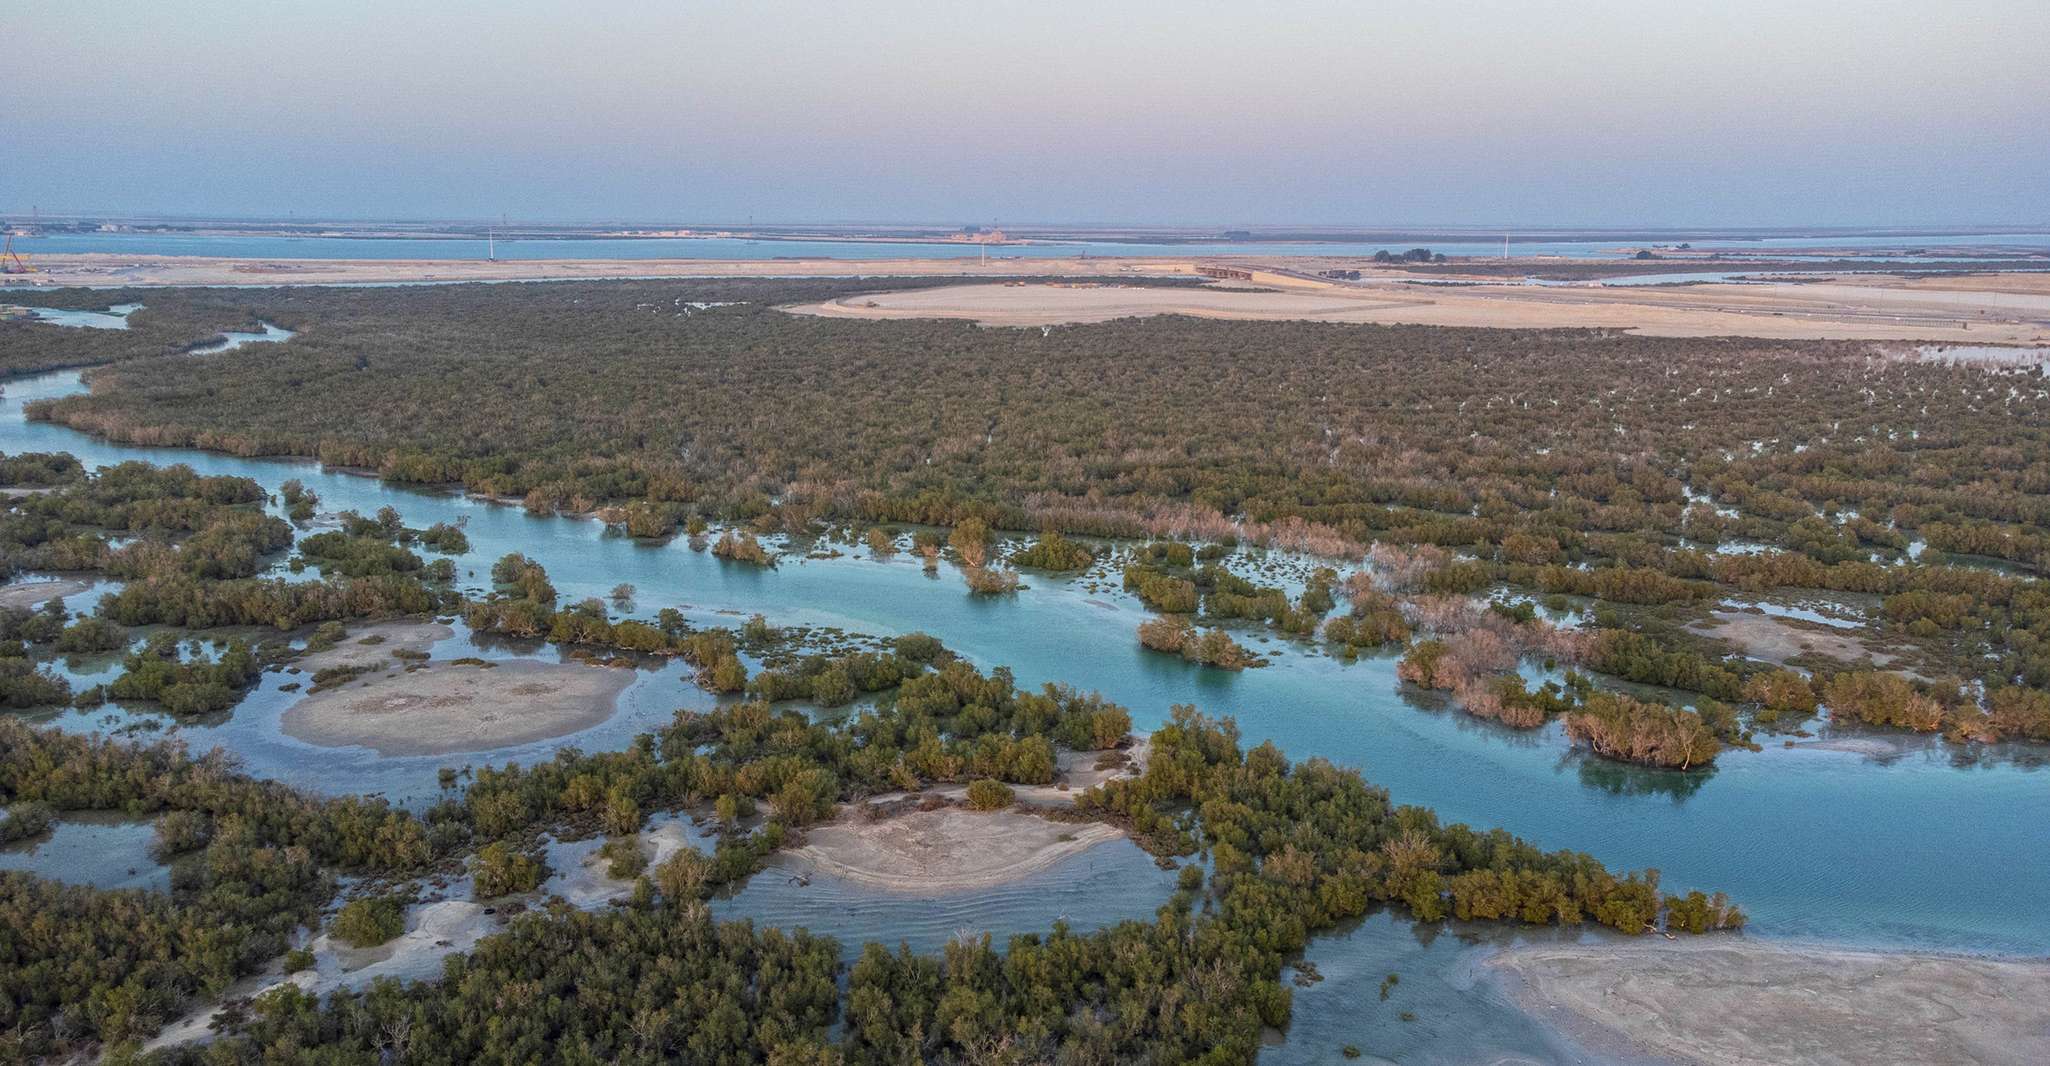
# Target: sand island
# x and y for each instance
(439, 708)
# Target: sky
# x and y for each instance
(1259, 112)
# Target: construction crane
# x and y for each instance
(11, 261)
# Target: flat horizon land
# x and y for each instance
(1986, 285)
(1984, 304)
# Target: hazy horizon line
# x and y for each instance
(1491, 227)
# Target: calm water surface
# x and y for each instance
(279, 247)
(94, 848)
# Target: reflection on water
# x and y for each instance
(115, 317)
(92, 848)
(1475, 244)
(1443, 1005)
(254, 731)
(269, 334)
(1097, 888)
(1622, 779)
(1092, 890)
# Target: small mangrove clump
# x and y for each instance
(990, 581)
(742, 548)
(970, 540)
(366, 923)
(1633, 730)
(1177, 635)
(1054, 552)
(989, 794)
(502, 871)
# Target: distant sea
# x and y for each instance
(281, 247)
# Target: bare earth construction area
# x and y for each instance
(2006, 309)
(1748, 1004)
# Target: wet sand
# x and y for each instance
(948, 850)
(453, 707)
(36, 593)
(1736, 1002)
(369, 644)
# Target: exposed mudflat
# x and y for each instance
(371, 644)
(1775, 640)
(1736, 1002)
(456, 707)
(947, 850)
(37, 593)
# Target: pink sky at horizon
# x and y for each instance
(1592, 113)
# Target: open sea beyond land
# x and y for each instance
(296, 247)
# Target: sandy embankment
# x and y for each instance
(442, 708)
(1735, 1002)
(37, 593)
(2004, 310)
(953, 849)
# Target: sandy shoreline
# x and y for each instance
(369, 644)
(445, 708)
(947, 850)
(1737, 1002)
(36, 593)
(953, 849)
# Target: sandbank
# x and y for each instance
(1737, 1002)
(449, 707)
(947, 850)
(37, 593)
(385, 640)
